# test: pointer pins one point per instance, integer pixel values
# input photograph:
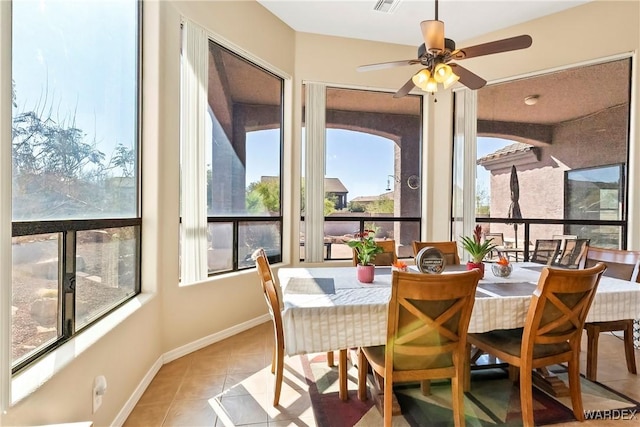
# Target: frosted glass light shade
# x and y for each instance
(451, 80)
(442, 72)
(421, 77)
(431, 86)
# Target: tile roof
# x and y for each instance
(518, 147)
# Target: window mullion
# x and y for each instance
(68, 281)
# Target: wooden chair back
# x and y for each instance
(428, 320)
(573, 253)
(621, 264)
(558, 310)
(545, 251)
(449, 249)
(387, 257)
(271, 294)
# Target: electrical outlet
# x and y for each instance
(99, 389)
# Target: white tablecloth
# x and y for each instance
(355, 314)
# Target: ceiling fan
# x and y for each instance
(436, 53)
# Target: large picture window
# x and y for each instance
(567, 159)
(243, 151)
(371, 169)
(76, 217)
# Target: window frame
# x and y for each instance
(67, 228)
(235, 220)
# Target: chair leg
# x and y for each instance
(279, 372)
(363, 370)
(593, 334)
(425, 387)
(628, 348)
(457, 397)
(330, 362)
(574, 387)
(342, 375)
(526, 396)
(273, 360)
(466, 380)
(387, 411)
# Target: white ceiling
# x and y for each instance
(464, 19)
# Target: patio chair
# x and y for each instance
(386, 257)
(449, 249)
(545, 251)
(574, 251)
(551, 335)
(426, 335)
(273, 297)
(623, 265)
(496, 239)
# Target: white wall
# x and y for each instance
(176, 316)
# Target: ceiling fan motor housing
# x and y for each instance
(449, 45)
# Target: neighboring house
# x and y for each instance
(335, 190)
(366, 201)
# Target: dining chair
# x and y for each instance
(574, 251)
(427, 326)
(449, 249)
(564, 238)
(545, 251)
(551, 335)
(621, 264)
(388, 255)
(496, 239)
(273, 297)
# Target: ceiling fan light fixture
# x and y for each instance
(451, 80)
(421, 77)
(433, 35)
(431, 86)
(442, 72)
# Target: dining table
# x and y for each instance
(327, 309)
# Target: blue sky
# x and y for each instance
(56, 46)
(361, 161)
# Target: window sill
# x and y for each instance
(33, 377)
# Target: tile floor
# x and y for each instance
(229, 383)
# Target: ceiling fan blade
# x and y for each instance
(498, 46)
(467, 78)
(383, 65)
(404, 90)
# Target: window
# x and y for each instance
(371, 169)
(570, 158)
(243, 161)
(76, 218)
(595, 194)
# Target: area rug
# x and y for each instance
(493, 401)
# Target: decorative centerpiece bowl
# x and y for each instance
(501, 270)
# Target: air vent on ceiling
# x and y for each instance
(386, 6)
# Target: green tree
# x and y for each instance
(355, 207)
(263, 196)
(381, 205)
(58, 172)
(482, 202)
